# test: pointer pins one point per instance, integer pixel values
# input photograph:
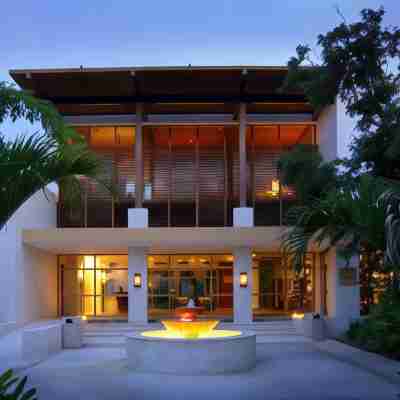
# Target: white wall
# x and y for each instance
(328, 133)
(346, 130)
(336, 130)
(28, 284)
(137, 297)
(242, 296)
(343, 302)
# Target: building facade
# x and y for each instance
(197, 209)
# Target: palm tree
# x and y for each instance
(30, 163)
(348, 216)
(390, 200)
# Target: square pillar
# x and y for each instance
(343, 296)
(243, 217)
(137, 296)
(139, 187)
(138, 218)
(242, 296)
(242, 155)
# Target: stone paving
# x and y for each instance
(284, 371)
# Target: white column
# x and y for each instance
(138, 218)
(139, 156)
(137, 297)
(242, 296)
(242, 155)
(343, 301)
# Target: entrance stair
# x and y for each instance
(111, 334)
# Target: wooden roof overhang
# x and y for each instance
(163, 90)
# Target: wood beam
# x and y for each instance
(174, 98)
(242, 155)
(139, 156)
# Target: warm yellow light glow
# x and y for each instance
(213, 334)
(275, 186)
(244, 280)
(309, 288)
(103, 277)
(84, 318)
(229, 258)
(297, 315)
(137, 280)
(80, 275)
(88, 261)
(307, 271)
(190, 329)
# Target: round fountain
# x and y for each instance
(188, 346)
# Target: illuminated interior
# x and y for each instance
(179, 162)
(97, 285)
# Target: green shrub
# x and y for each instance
(380, 331)
(13, 387)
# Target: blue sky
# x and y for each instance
(49, 33)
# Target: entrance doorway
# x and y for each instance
(97, 285)
(175, 279)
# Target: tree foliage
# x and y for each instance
(359, 63)
(30, 163)
(348, 216)
(304, 169)
(13, 388)
(390, 200)
(20, 104)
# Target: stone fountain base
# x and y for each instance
(205, 356)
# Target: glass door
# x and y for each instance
(175, 280)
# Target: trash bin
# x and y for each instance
(72, 333)
(314, 327)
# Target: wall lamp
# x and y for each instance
(137, 280)
(244, 280)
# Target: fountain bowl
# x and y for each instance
(191, 348)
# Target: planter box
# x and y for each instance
(313, 328)
(39, 343)
(7, 327)
(72, 333)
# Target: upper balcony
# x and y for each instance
(190, 176)
(188, 143)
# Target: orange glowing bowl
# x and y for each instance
(188, 313)
(190, 329)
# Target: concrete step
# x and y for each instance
(119, 341)
(113, 334)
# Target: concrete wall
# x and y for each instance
(336, 131)
(343, 302)
(328, 133)
(28, 284)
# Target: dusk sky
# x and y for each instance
(104, 33)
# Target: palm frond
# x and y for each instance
(30, 163)
(348, 217)
(16, 104)
(390, 201)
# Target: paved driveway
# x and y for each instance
(284, 371)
